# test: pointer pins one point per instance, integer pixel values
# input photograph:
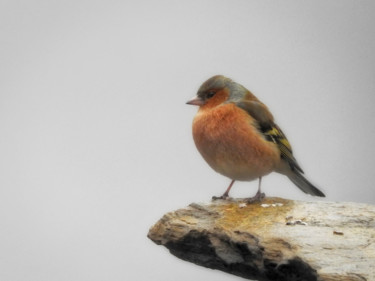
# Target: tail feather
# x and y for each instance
(303, 184)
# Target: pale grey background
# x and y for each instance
(95, 142)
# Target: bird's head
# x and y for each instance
(217, 90)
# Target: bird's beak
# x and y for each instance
(196, 101)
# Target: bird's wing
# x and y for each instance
(270, 130)
(258, 111)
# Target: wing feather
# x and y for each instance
(270, 130)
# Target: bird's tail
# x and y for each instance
(299, 180)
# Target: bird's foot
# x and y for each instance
(259, 196)
(222, 197)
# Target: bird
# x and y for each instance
(237, 136)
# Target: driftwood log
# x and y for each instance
(276, 239)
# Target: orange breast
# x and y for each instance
(227, 139)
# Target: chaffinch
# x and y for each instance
(237, 136)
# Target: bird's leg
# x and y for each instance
(226, 193)
(258, 196)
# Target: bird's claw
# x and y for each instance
(257, 198)
(222, 197)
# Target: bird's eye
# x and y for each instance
(210, 94)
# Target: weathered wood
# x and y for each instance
(276, 239)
